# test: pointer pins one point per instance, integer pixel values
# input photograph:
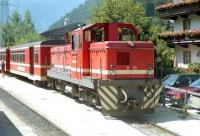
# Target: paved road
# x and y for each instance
(6, 126)
(28, 122)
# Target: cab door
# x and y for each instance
(76, 55)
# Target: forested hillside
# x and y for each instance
(84, 11)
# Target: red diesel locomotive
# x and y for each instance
(103, 64)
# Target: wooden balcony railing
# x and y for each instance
(172, 10)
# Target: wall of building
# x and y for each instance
(178, 24)
(194, 22)
(177, 0)
(179, 55)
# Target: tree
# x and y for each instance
(19, 31)
(28, 23)
(129, 11)
(120, 11)
(7, 36)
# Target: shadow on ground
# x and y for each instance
(6, 126)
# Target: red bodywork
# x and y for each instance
(31, 60)
(102, 51)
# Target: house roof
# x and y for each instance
(183, 9)
(176, 4)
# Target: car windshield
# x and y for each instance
(196, 84)
(170, 79)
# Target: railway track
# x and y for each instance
(160, 130)
(147, 127)
(25, 113)
(36, 122)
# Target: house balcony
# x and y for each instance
(182, 38)
(184, 8)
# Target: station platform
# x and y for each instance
(67, 114)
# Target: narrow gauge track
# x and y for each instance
(39, 124)
(147, 127)
(144, 126)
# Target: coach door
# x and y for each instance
(31, 58)
(76, 55)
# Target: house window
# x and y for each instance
(186, 57)
(186, 24)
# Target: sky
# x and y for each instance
(44, 12)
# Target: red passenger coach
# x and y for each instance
(106, 64)
(32, 60)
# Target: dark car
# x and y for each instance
(178, 81)
(178, 97)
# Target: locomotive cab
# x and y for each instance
(110, 51)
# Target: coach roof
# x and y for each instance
(42, 43)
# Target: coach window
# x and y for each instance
(23, 56)
(12, 56)
(15, 56)
(125, 34)
(4, 56)
(75, 41)
(36, 55)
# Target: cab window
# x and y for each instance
(125, 34)
(95, 35)
(75, 41)
(36, 56)
(87, 36)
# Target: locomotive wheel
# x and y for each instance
(37, 83)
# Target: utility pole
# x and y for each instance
(4, 14)
(4, 11)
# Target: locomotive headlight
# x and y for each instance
(112, 72)
(148, 66)
(131, 44)
(149, 72)
(112, 66)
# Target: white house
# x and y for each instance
(186, 35)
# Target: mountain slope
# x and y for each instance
(84, 11)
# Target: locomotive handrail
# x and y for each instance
(125, 96)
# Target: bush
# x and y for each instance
(195, 67)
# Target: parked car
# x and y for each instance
(178, 81)
(194, 100)
(178, 97)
